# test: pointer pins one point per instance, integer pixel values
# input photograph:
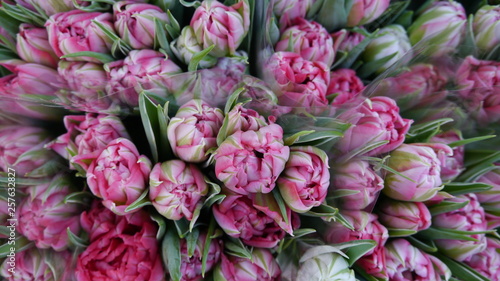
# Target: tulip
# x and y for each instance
(345, 40)
(44, 216)
(420, 163)
(478, 81)
(33, 46)
(251, 161)
(224, 27)
(261, 267)
(243, 119)
(301, 83)
(452, 166)
(40, 265)
(344, 86)
(289, 10)
(310, 40)
(486, 26)
(441, 27)
(73, 31)
(487, 262)
(366, 11)
(324, 266)
(140, 70)
(21, 148)
(31, 79)
(193, 130)
(471, 217)
(391, 46)
(374, 264)
(134, 23)
(191, 264)
(357, 175)
(375, 120)
(176, 189)
(186, 46)
(490, 198)
(118, 175)
(405, 262)
(51, 7)
(238, 216)
(399, 215)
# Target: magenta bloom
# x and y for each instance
(301, 83)
(251, 161)
(402, 215)
(451, 166)
(33, 46)
(176, 189)
(262, 267)
(304, 182)
(140, 70)
(44, 217)
(73, 31)
(479, 81)
(191, 264)
(193, 130)
(135, 25)
(487, 262)
(375, 263)
(375, 120)
(309, 39)
(130, 252)
(406, 262)
(225, 27)
(243, 119)
(99, 221)
(240, 218)
(366, 11)
(357, 175)
(469, 218)
(118, 175)
(344, 86)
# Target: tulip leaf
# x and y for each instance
(392, 12)
(81, 197)
(358, 49)
(318, 138)
(10, 24)
(460, 270)
(339, 193)
(458, 188)
(423, 132)
(195, 60)
(236, 248)
(161, 38)
(281, 205)
(20, 244)
(475, 157)
(333, 14)
(182, 227)
(189, 4)
(365, 275)
(150, 122)
(76, 241)
(206, 245)
(424, 245)
(171, 254)
(405, 19)
(23, 14)
(162, 226)
(24, 181)
(471, 140)
(104, 58)
(4, 230)
(214, 194)
(191, 241)
(468, 45)
(370, 68)
(232, 100)
(400, 232)
(443, 233)
(327, 213)
(165, 150)
(173, 27)
(356, 249)
(290, 140)
(362, 150)
(491, 209)
(473, 173)
(142, 201)
(446, 206)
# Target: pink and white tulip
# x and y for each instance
(366, 11)
(400, 215)
(344, 86)
(261, 267)
(33, 46)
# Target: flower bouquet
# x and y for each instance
(249, 140)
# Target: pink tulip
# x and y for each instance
(238, 216)
(304, 182)
(33, 46)
(261, 267)
(193, 130)
(487, 262)
(366, 11)
(344, 86)
(21, 148)
(485, 27)
(99, 221)
(401, 215)
(251, 161)
(118, 175)
(375, 263)
(289, 10)
(359, 176)
(51, 7)
(490, 198)
(176, 189)
(310, 40)
(87, 135)
(478, 81)
(135, 25)
(140, 70)
(39, 265)
(186, 46)
(243, 119)
(452, 166)
(405, 262)
(377, 119)
(44, 216)
(468, 218)
(224, 27)
(73, 31)
(346, 40)
(191, 265)
(301, 83)
(129, 252)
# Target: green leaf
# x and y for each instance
(458, 188)
(162, 226)
(339, 193)
(318, 138)
(392, 12)
(21, 243)
(446, 206)
(188, 4)
(427, 246)
(182, 227)
(468, 46)
(214, 195)
(236, 248)
(81, 197)
(195, 60)
(103, 58)
(443, 233)
(191, 241)
(173, 27)
(481, 157)
(423, 132)
(206, 245)
(4, 230)
(400, 232)
(290, 140)
(281, 205)
(149, 117)
(405, 19)
(75, 240)
(471, 140)
(171, 254)
(356, 249)
(362, 150)
(165, 150)
(473, 173)
(232, 100)
(10, 24)
(460, 270)
(370, 68)
(161, 38)
(323, 211)
(142, 201)
(333, 14)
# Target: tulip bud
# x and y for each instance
(324, 266)
(33, 46)
(391, 46)
(420, 163)
(186, 46)
(487, 262)
(177, 189)
(485, 27)
(243, 119)
(261, 267)
(401, 215)
(451, 166)
(134, 23)
(441, 27)
(193, 130)
(366, 11)
(345, 40)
